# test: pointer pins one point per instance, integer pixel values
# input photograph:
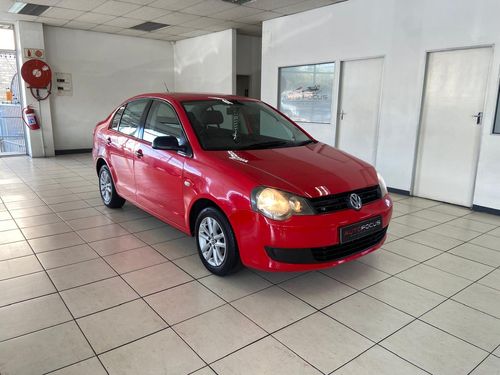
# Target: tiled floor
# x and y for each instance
(88, 290)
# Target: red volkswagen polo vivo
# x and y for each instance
(247, 182)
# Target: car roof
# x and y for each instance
(189, 96)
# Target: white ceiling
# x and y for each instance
(188, 18)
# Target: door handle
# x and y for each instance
(108, 141)
(139, 154)
(478, 118)
(342, 114)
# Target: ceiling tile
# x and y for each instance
(107, 29)
(177, 30)
(194, 33)
(259, 17)
(209, 7)
(202, 22)
(174, 4)
(94, 18)
(272, 4)
(306, 5)
(146, 13)
(132, 32)
(79, 4)
(140, 2)
(176, 18)
(80, 25)
(116, 8)
(51, 21)
(122, 22)
(236, 12)
(67, 14)
(42, 2)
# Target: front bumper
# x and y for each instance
(304, 243)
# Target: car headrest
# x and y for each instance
(212, 118)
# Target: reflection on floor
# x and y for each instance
(85, 290)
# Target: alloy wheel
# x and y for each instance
(212, 241)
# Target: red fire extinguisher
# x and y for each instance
(30, 119)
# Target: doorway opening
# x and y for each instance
(450, 125)
(12, 136)
(243, 85)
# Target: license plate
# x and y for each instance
(359, 230)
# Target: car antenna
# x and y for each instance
(166, 87)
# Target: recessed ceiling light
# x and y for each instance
(149, 26)
(28, 8)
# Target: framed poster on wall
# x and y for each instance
(306, 92)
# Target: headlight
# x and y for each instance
(383, 186)
(278, 205)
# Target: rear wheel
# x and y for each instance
(216, 242)
(107, 189)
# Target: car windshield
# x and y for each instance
(222, 124)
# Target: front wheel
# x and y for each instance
(216, 242)
(107, 189)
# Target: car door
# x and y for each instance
(122, 144)
(159, 173)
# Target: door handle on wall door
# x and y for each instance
(342, 114)
(139, 154)
(478, 118)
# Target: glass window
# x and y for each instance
(162, 120)
(131, 117)
(116, 118)
(496, 125)
(306, 92)
(221, 124)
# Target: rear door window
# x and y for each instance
(131, 117)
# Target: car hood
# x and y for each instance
(314, 170)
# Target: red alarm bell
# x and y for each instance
(37, 74)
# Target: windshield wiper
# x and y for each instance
(269, 144)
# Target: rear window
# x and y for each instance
(116, 118)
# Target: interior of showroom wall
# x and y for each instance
(107, 69)
(402, 32)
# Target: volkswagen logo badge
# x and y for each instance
(355, 201)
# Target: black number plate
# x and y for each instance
(359, 230)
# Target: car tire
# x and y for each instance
(109, 196)
(216, 243)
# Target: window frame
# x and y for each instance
(141, 120)
(187, 144)
(160, 101)
(122, 108)
(333, 93)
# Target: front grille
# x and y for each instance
(335, 252)
(337, 202)
(327, 253)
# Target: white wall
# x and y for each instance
(106, 69)
(402, 31)
(39, 142)
(206, 63)
(248, 60)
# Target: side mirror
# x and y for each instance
(167, 142)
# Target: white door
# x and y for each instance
(360, 86)
(450, 126)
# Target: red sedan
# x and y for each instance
(248, 183)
